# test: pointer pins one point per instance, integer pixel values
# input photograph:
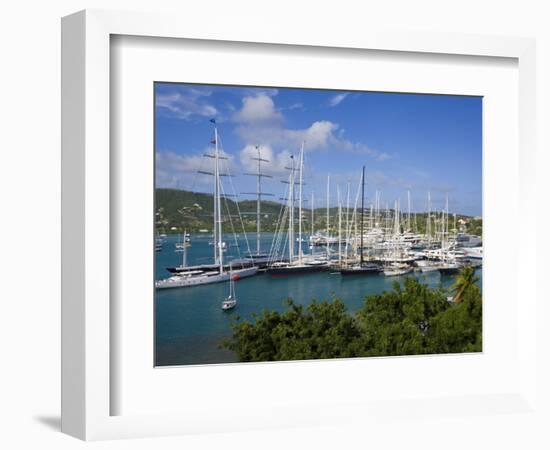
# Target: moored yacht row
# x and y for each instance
(379, 242)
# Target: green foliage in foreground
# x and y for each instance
(411, 319)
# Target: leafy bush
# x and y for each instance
(410, 319)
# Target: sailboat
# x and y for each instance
(159, 241)
(259, 259)
(216, 273)
(231, 300)
(185, 242)
(363, 268)
(396, 269)
(301, 264)
(397, 261)
(449, 264)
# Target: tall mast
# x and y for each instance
(217, 218)
(387, 227)
(362, 212)
(347, 221)
(258, 201)
(446, 218)
(377, 209)
(371, 216)
(397, 218)
(312, 213)
(184, 245)
(454, 222)
(355, 220)
(447, 210)
(428, 219)
(328, 216)
(408, 210)
(218, 199)
(291, 212)
(259, 194)
(300, 204)
(339, 224)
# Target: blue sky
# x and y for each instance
(410, 142)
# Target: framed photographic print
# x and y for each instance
(250, 221)
(237, 226)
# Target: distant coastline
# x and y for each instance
(178, 210)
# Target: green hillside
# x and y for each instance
(192, 211)
(178, 210)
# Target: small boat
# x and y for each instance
(362, 269)
(449, 268)
(473, 253)
(467, 240)
(430, 268)
(184, 243)
(231, 300)
(428, 265)
(181, 245)
(395, 270)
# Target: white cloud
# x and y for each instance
(186, 104)
(361, 149)
(317, 136)
(258, 109)
(277, 160)
(253, 91)
(320, 135)
(175, 170)
(298, 105)
(337, 99)
(260, 122)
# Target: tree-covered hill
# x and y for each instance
(178, 210)
(193, 211)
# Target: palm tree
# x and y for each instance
(463, 281)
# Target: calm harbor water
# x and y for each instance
(190, 322)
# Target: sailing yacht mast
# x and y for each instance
(371, 216)
(184, 248)
(300, 204)
(347, 221)
(259, 193)
(328, 217)
(428, 220)
(362, 212)
(291, 213)
(339, 225)
(217, 200)
(454, 223)
(446, 218)
(397, 219)
(408, 210)
(217, 231)
(312, 215)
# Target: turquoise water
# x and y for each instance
(190, 322)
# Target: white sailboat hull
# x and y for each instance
(474, 252)
(425, 269)
(397, 272)
(179, 281)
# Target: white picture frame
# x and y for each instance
(87, 385)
